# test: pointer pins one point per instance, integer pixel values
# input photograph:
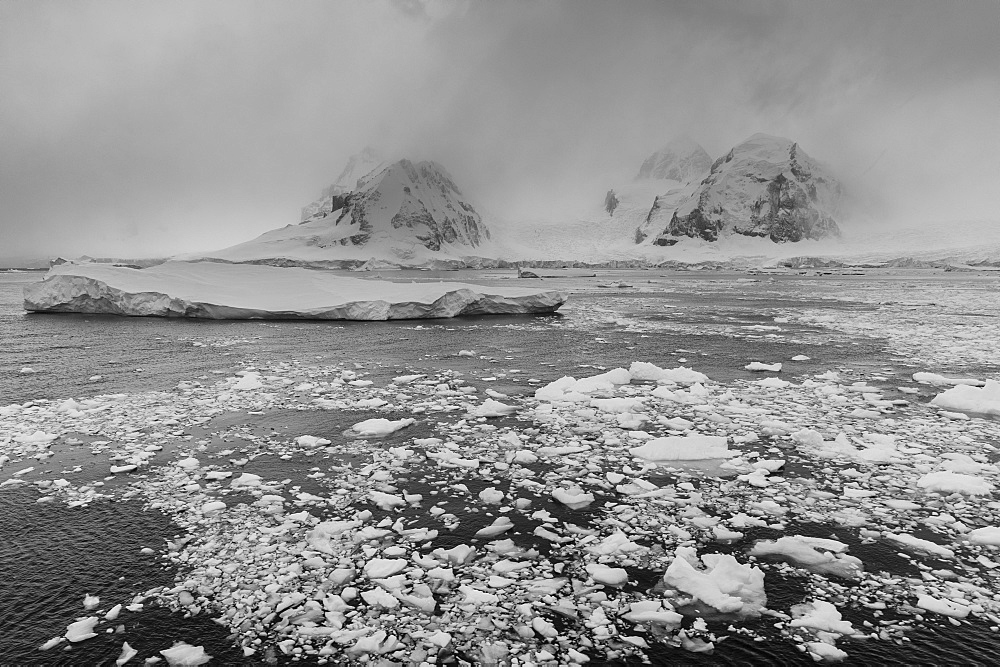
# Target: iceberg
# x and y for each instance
(210, 290)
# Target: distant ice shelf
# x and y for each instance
(211, 290)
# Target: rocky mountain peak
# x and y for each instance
(406, 200)
(766, 186)
(682, 160)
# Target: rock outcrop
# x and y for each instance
(682, 160)
(764, 187)
(243, 291)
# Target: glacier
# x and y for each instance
(211, 290)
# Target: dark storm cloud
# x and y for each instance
(145, 127)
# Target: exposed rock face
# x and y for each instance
(240, 291)
(766, 186)
(682, 160)
(419, 199)
(332, 198)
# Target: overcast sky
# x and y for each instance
(133, 127)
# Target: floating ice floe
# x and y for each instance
(246, 291)
(380, 427)
(683, 448)
(492, 408)
(722, 583)
(816, 554)
(311, 441)
(942, 381)
(185, 654)
(759, 366)
(945, 481)
(982, 400)
(82, 629)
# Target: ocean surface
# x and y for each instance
(876, 328)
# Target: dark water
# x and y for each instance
(50, 555)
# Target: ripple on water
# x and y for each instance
(52, 555)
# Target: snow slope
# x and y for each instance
(230, 291)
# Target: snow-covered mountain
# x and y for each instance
(682, 160)
(766, 187)
(403, 211)
(358, 166)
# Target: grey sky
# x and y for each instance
(159, 127)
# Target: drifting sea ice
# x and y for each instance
(983, 400)
(683, 448)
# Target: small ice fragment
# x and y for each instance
(758, 366)
(379, 426)
(183, 653)
(127, 654)
(90, 601)
(82, 629)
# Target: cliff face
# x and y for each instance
(766, 187)
(681, 160)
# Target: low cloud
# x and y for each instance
(150, 127)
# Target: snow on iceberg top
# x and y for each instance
(243, 291)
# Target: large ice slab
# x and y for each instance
(246, 291)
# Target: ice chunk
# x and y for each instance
(82, 629)
(386, 501)
(944, 481)
(248, 382)
(311, 441)
(573, 497)
(758, 366)
(982, 400)
(945, 607)
(127, 654)
(379, 426)
(91, 602)
(816, 554)
(491, 408)
(641, 370)
(491, 496)
(615, 544)
(942, 381)
(683, 448)
(987, 535)
(820, 615)
(918, 544)
(380, 568)
(724, 584)
(609, 576)
(498, 527)
(189, 463)
(183, 653)
(214, 506)
(246, 479)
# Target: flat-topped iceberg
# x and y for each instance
(243, 291)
